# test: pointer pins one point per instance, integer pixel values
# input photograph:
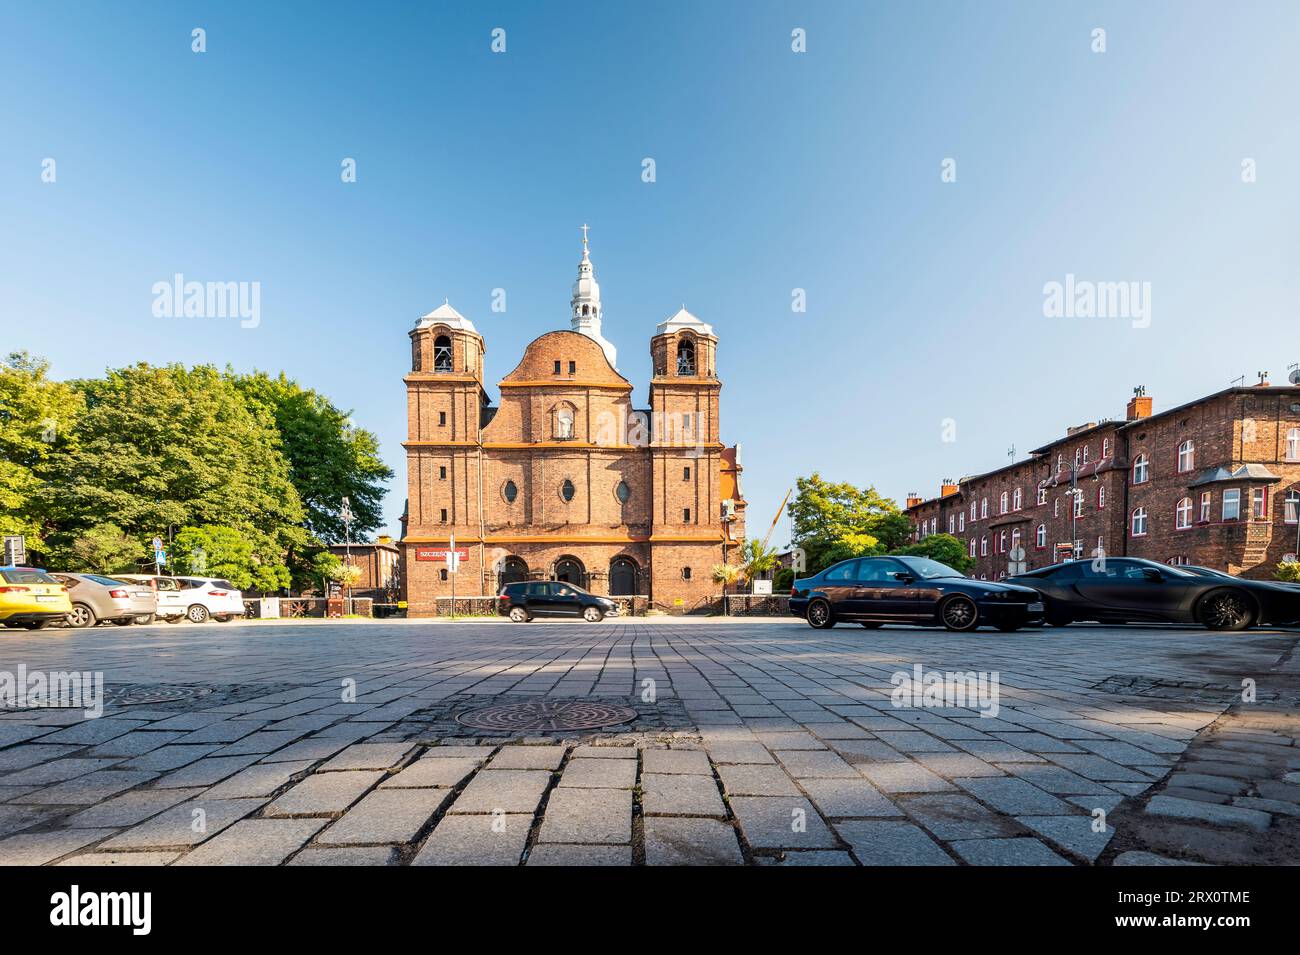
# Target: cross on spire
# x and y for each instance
(584, 236)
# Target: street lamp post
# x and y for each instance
(346, 515)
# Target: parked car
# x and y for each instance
(205, 597)
(168, 592)
(31, 598)
(1130, 589)
(874, 591)
(97, 598)
(523, 600)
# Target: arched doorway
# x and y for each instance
(623, 574)
(513, 569)
(570, 570)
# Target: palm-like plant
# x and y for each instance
(725, 574)
(756, 559)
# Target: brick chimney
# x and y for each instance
(1139, 406)
(948, 487)
(913, 499)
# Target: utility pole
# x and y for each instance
(346, 516)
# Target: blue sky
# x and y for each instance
(775, 171)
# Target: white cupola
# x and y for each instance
(585, 305)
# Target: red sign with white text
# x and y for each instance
(439, 553)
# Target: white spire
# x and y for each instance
(585, 304)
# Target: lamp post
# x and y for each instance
(346, 516)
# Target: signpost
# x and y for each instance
(453, 563)
(1017, 563)
(15, 550)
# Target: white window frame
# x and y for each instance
(1017, 500)
(1187, 456)
(1042, 495)
(984, 507)
(1003, 498)
(1293, 444)
(1142, 467)
(1291, 507)
(1207, 505)
(1258, 504)
(1139, 515)
(1183, 514)
(1040, 536)
(1231, 495)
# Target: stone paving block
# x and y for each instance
(905, 777)
(878, 842)
(346, 855)
(386, 815)
(954, 764)
(1038, 743)
(16, 758)
(605, 752)
(857, 751)
(809, 857)
(749, 780)
(368, 756)
(1103, 770)
(996, 751)
(740, 752)
(166, 758)
(588, 816)
(1014, 796)
(1275, 806)
(599, 774)
(260, 779)
(130, 808)
(477, 840)
(263, 741)
(207, 771)
(504, 790)
(1174, 807)
(135, 743)
(914, 742)
(815, 764)
(781, 822)
(254, 842)
(848, 798)
(558, 855)
(1018, 852)
(122, 859)
(1216, 784)
(324, 793)
(17, 818)
(1054, 779)
(952, 816)
(794, 740)
(1073, 833)
(425, 773)
(676, 841)
(227, 731)
(42, 847)
(681, 795)
(676, 762)
(57, 771)
(184, 824)
(91, 732)
(313, 748)
(1148, 858)
(528, 757)
(84, 790)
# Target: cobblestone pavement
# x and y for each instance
(728, 742)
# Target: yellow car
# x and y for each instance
(31, 598)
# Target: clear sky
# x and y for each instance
(775, 171)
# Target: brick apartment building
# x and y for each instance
(380, 566)
(566, 480)
(1214, 482)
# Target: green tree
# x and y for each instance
(36, 419)
(755, 559)
(834, 521)
(944, 548)
(211, 551)
(1289, 572)
(329, 459)
(104, 549)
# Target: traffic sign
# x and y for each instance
(15, 549)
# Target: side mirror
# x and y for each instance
(1150, 573)
(904, 578)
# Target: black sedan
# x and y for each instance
(1129, 589)
(879, 590)
(523, 600)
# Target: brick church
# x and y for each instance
(565, 479)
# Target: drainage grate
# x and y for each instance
(1186, 691)
(133, 694)
(547, 716)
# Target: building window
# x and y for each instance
(1016, 500)
(1085, 454)
(1040, 536)
(442, 472)
(1105, 447)
(573, 367)
(1141, 469)
(984, 546)
(972, 547)
(1101, 496)
(1042, 494)
(442, 419)
(1231, 504)
(961, 522)
(1078, 549)
(686, 573)
(1078, 502)
(686, 357)
(442, 353)
(442, 516)
(1183, 514)
(1056, 507)
(984, 507)
(1205, 507)
(510, 492)
(1139, 525)
(623, 492)
(972, 510)
(442, 574)
(1078, 454)
(952, 523)
(1259, 504)
(686, 473)
(1015, 539)
(1293, 444)
(1060, 463)
(1002, 502)
(567, 490)
(1186, 456)
(1291, 512)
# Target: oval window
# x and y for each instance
(623, 492)
(567, 490)
(510, 491)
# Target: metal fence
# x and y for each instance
(757, 605)
(270, 608)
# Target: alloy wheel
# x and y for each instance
(959, 613)
(197, 613)
(819, 614)
(80, 616)
(1226, 611)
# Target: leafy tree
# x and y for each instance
(36, 418)
(329, 459)
(104, 549)
(944, 548)
(726, 575)
(211, 551)
(756, 559)
(783, 580)
(834, 521)
(1289, 572)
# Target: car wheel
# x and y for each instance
(175, 618)
(1225, 610)
(518, 615)
(593, 615)
(959, 613)
(145, 619)
(123, 621)
(197, 614)
(36, 624)
(222, 618)
(1057, 619)
(870, 625)
(820, 616)
(81, 616)
(1009, 627)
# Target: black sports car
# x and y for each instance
(1129, 589)
(879, 590)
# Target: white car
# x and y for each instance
(168, 592)
(205, 597)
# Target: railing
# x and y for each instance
(757, 605)
(465, 606)
(303, 607)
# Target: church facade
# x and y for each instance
(566, 479)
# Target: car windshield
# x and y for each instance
(106, 581)
(26, 577)
(928, 569)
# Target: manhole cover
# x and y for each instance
(546, 716)
(135, 693)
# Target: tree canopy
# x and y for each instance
(835, 521)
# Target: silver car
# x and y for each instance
(168, 591)
(96, 598)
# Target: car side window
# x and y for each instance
(537, 590)
(876, 571)
(845, 571)
(564, 591)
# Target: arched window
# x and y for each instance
(1002, 542)
(1015, 538)
(972, 547)
(984, 545)
(686, 357)
(1186, 455)
(686, 573)
(1183, 514)
(1040, 536)
(1293, 444)
(623, 492)
(442, 353)
(1101, 496)
(623, 574)
(570, 571)
(1002, 503)
(567, 490)
(984, 507)
(563, 423)
(1141, 469)
(1016, 500)
(1085, 454)
(1105, 447)
(512, 569)
(510, 491)
(1139, 523)
(1291, 510)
